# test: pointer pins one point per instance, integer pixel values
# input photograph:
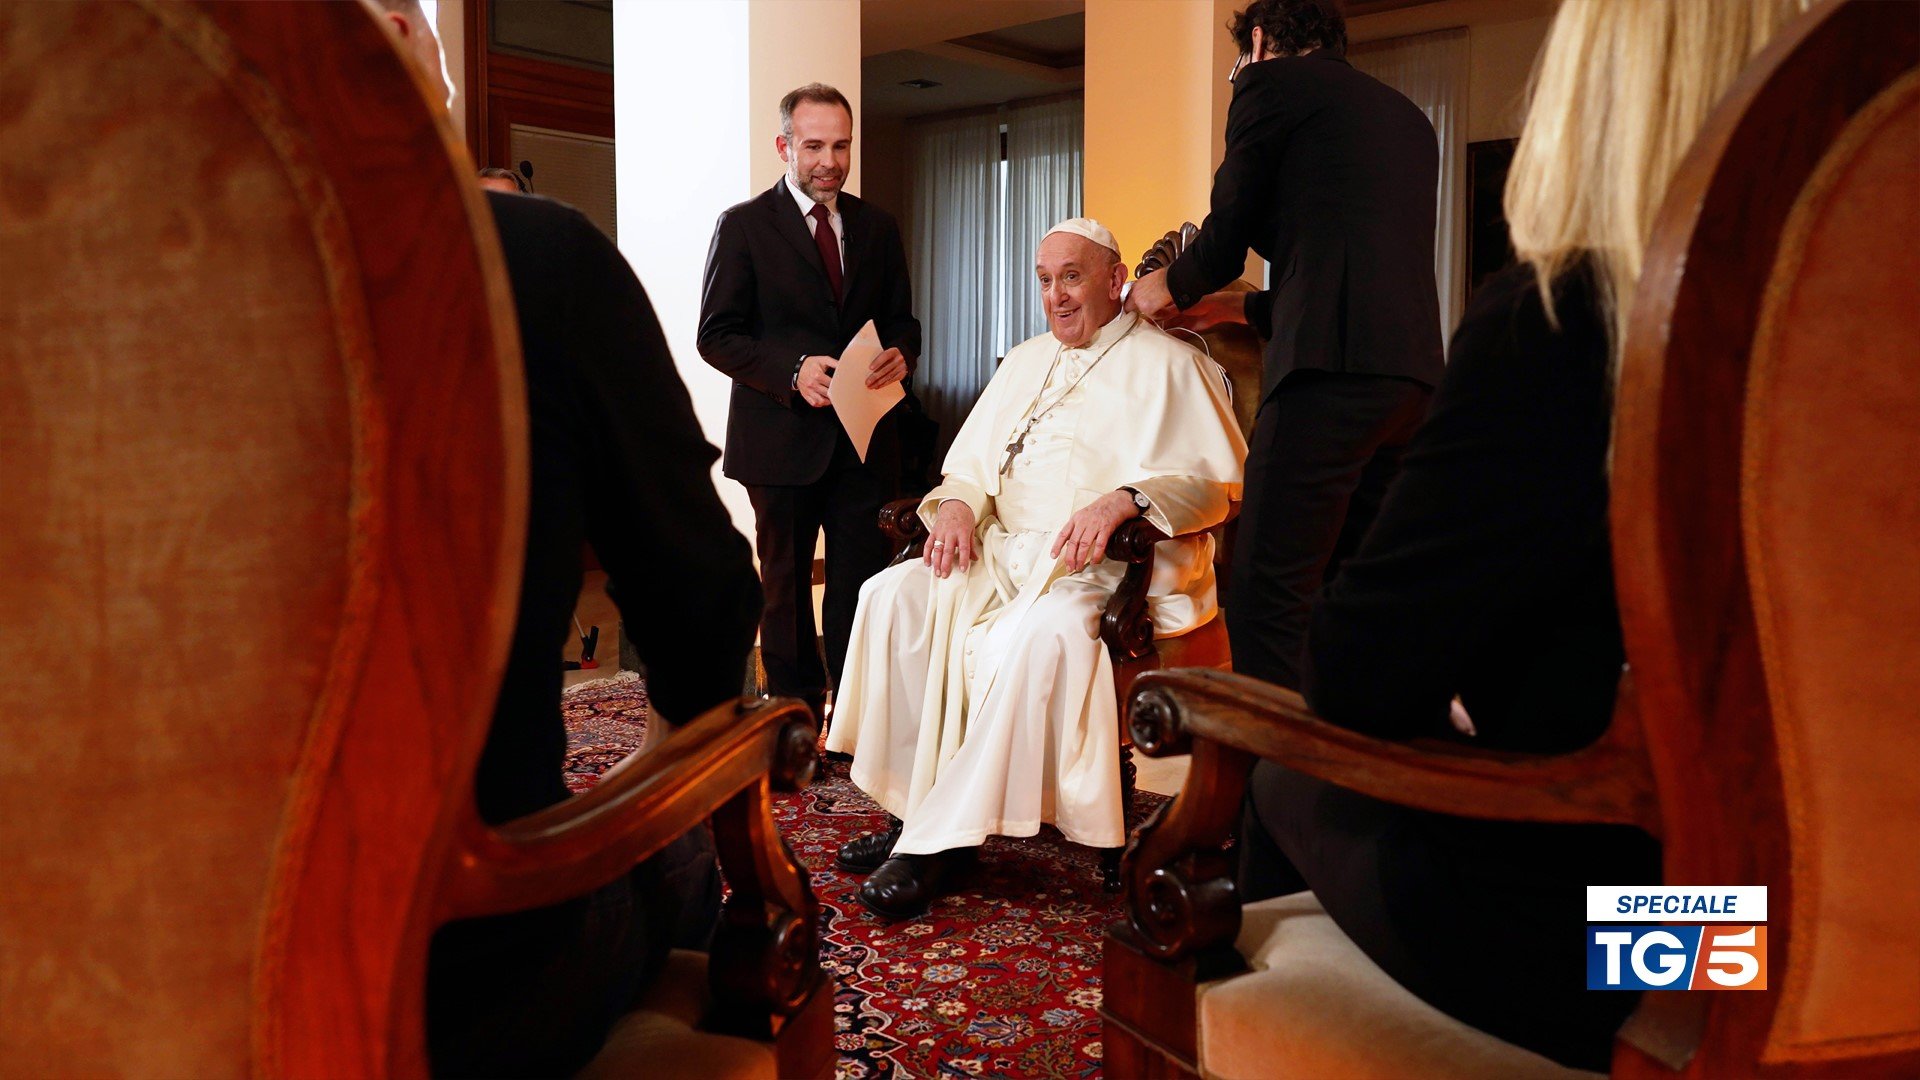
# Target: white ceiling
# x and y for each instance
(981, 52)
(889, 25)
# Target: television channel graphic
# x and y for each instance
(1704, 938)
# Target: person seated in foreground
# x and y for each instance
(1488, 572)
(616, 459)
(978, 698)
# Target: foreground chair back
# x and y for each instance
(264, 453)
(1766, 524)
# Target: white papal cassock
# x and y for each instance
(983, 704)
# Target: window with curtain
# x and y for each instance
(985, 187)
(1431, 70)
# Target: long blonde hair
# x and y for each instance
(1618, 93)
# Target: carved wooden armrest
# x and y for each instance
(1179, 897)
(900, 520)
(1126, 625)
(722, 766)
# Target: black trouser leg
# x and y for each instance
(786, 527)
(1314, 444)
(856, 548)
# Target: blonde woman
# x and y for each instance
(1487, 574)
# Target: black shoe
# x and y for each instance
(906, 885)
(864, 854)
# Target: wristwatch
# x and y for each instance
(1141, 501)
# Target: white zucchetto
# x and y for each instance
(1088, 228)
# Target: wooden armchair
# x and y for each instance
(1765, 526)
(1126, 627)
(262, 424)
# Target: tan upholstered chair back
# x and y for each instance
(1767, 540)
(1830, 497)
(262, 455)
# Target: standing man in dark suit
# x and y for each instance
(792, 276)
(1330, 175)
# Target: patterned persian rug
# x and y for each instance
(1002, 980)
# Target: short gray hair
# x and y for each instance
(818, 94)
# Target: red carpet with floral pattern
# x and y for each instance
(1002, 980)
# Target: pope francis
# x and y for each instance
(978, 698)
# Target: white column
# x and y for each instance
(696, 92)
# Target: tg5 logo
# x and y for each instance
(1699, 957)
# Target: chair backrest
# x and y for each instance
(1767, 541)
(263, 448)
(1234, 346)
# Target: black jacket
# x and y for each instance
(1330, 175)
(766, 302)
(619, 461)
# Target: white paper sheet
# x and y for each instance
(859, 408)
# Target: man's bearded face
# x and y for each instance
(819, 150)
(1080, 282)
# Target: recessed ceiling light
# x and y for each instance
(920, 84)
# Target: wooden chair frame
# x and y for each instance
(1695, 691)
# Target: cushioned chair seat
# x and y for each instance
(659, 1039)
(1314, 1005)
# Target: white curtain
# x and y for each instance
(957, 222)
(1044, 166)
(1431, 70)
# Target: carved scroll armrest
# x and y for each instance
(1606, 782)
(900, 520)
(1180, 897)
(765, 954)
(1127, 625)
(637, 809)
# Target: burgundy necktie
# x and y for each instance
(829, 246)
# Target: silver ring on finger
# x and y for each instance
(939, 543)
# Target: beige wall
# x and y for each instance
(1501, 59)
(883, 165)
(792, 43)
(1150, 127)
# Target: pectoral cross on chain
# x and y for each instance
(1018, 444)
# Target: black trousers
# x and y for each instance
(788, 519)
(534, 993)
(1481, 919)
(1325, 446)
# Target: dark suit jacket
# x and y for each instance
(616, 459)
(767, 302)
(1330, 175)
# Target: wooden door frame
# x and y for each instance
(503, 90)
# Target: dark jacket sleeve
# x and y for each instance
(680, 573)
(1262, 115)
(897, 326)
(1501, 504)
(731, 337)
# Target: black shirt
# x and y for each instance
(1488, 573)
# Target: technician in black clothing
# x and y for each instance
(617, 460)
(791, 277)
(1330, 175)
